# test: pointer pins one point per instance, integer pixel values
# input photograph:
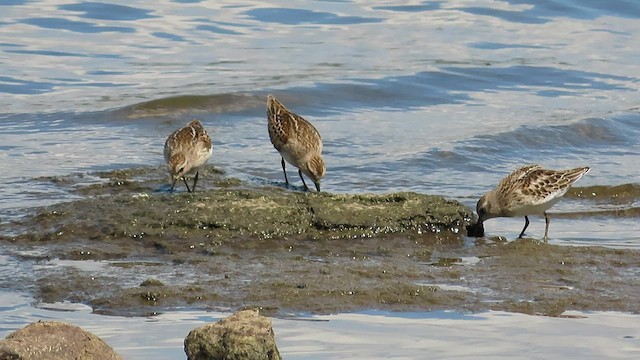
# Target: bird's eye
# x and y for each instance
(181, 170)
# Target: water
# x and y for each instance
(440, 97)
(444, 334)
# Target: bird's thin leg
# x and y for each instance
(195, 180)
(546, 226)
(173, 184)
(526, 223)
(306, 188)
(185, 183)
(285, 172)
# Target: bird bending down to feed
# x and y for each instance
(529, 190)
(297, 141)
(185, 151)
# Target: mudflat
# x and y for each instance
(235, 245)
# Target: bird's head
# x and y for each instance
(314, 169)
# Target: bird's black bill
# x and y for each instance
(475, 230)
(185, 184)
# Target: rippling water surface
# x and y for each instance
(451, 335)
(441, 97)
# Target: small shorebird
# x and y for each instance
(530, 190)
(185, 150)
(297, 141)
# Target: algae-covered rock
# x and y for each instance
(391, 213)
(236, 245)
(54, 340)
(245, 335)
(241, 213)
(137, 250)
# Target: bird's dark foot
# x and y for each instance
(475, 230)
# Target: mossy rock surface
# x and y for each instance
(241, 213)
(126, 246)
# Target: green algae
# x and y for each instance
(260, 213)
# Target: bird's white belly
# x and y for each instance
(538, 209)
(287, 156)
(201, 158)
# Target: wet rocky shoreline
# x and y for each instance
(127, 247)
(243, 335)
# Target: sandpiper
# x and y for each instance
(297, 141)
(530, 190)
(185, 150)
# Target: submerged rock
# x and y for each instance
(245, 335)
(53, 340)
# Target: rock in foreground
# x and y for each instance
(54, 340)
(245, 335)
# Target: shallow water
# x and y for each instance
(435, 97)
(443, 334)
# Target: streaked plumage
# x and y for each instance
(529, 190)
(185, 151)
(297, 141)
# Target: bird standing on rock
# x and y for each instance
(185, 151)
(297, 141)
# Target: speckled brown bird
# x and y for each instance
(529, 190)
(297, 141)
(185, 151)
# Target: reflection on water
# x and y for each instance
(159, 49)
(443, 334)
(435, 97)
